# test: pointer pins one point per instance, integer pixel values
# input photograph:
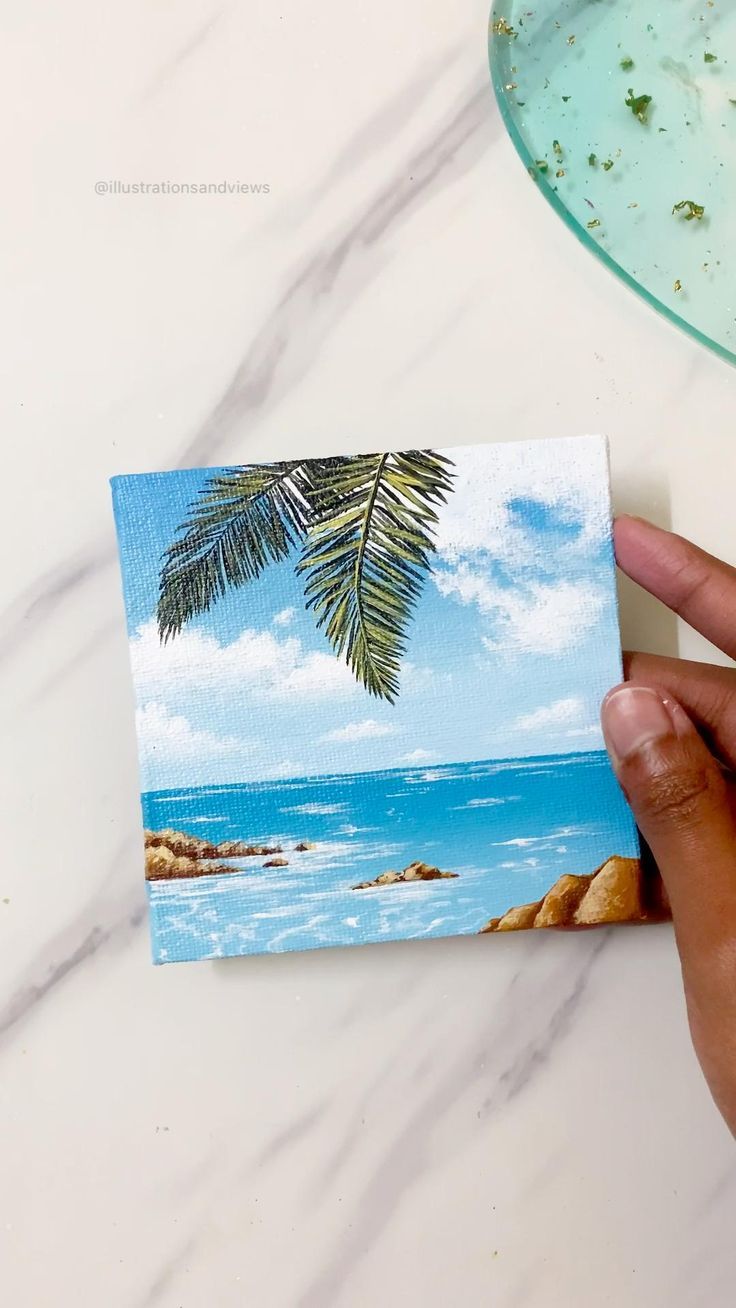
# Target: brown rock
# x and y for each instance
(414, 872)
(239, 849)
(277, 862)
(304, 845)
(421, 872)
(234, 849)
(163, 865)
(159, 862)
(561, 902)
(517, 919)
(180, 844)
(613, 893)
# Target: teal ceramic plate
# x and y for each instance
(625, 116)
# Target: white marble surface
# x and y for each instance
(507, 1121)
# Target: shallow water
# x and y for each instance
(508, 827)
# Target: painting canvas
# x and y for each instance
(367, 698)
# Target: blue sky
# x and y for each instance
(513, 643)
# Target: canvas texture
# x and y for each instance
(367, 695)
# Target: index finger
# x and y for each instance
(697, 586)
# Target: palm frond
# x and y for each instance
(367, 553)
(243, 519)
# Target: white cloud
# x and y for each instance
(284, 618)
(538, 617)
(544, 606)
(569, 476)
(280, 771)
(258, 662)
(418, 756)
(415, 680)
(553, 715)
(592, 730)
(170, 735)
(353, 731)
(316, 676)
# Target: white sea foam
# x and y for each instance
(316, 810)
(300, 929)
(544, 842)
(478, 803)
(311, 900)
(431, 774)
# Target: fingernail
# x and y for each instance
(632, 717)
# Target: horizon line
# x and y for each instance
(364, 772)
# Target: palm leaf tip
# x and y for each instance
(367, 554)
(243, 519)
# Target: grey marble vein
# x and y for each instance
(99, 925)
(291, 338)
(38, 602)
(63, 668)
(163, 1279)
(407, 1154)
(182, 56)
(536, 1053)
(723, 1186)
(291, 1134)
(389, 118)
(338, 1157)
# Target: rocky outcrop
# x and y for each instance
(304, 845)
(237, 849)
(179, 844)
(170, 854)
(616, 892)
(414, 872)
(164, 865)
(186, 846)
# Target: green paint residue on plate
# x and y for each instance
(654, 99)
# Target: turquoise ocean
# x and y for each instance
(508, 827)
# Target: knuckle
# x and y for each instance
(678, 796)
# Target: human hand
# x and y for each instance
(671, 734)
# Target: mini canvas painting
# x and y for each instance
(367, 698)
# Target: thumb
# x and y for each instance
(679, 797)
